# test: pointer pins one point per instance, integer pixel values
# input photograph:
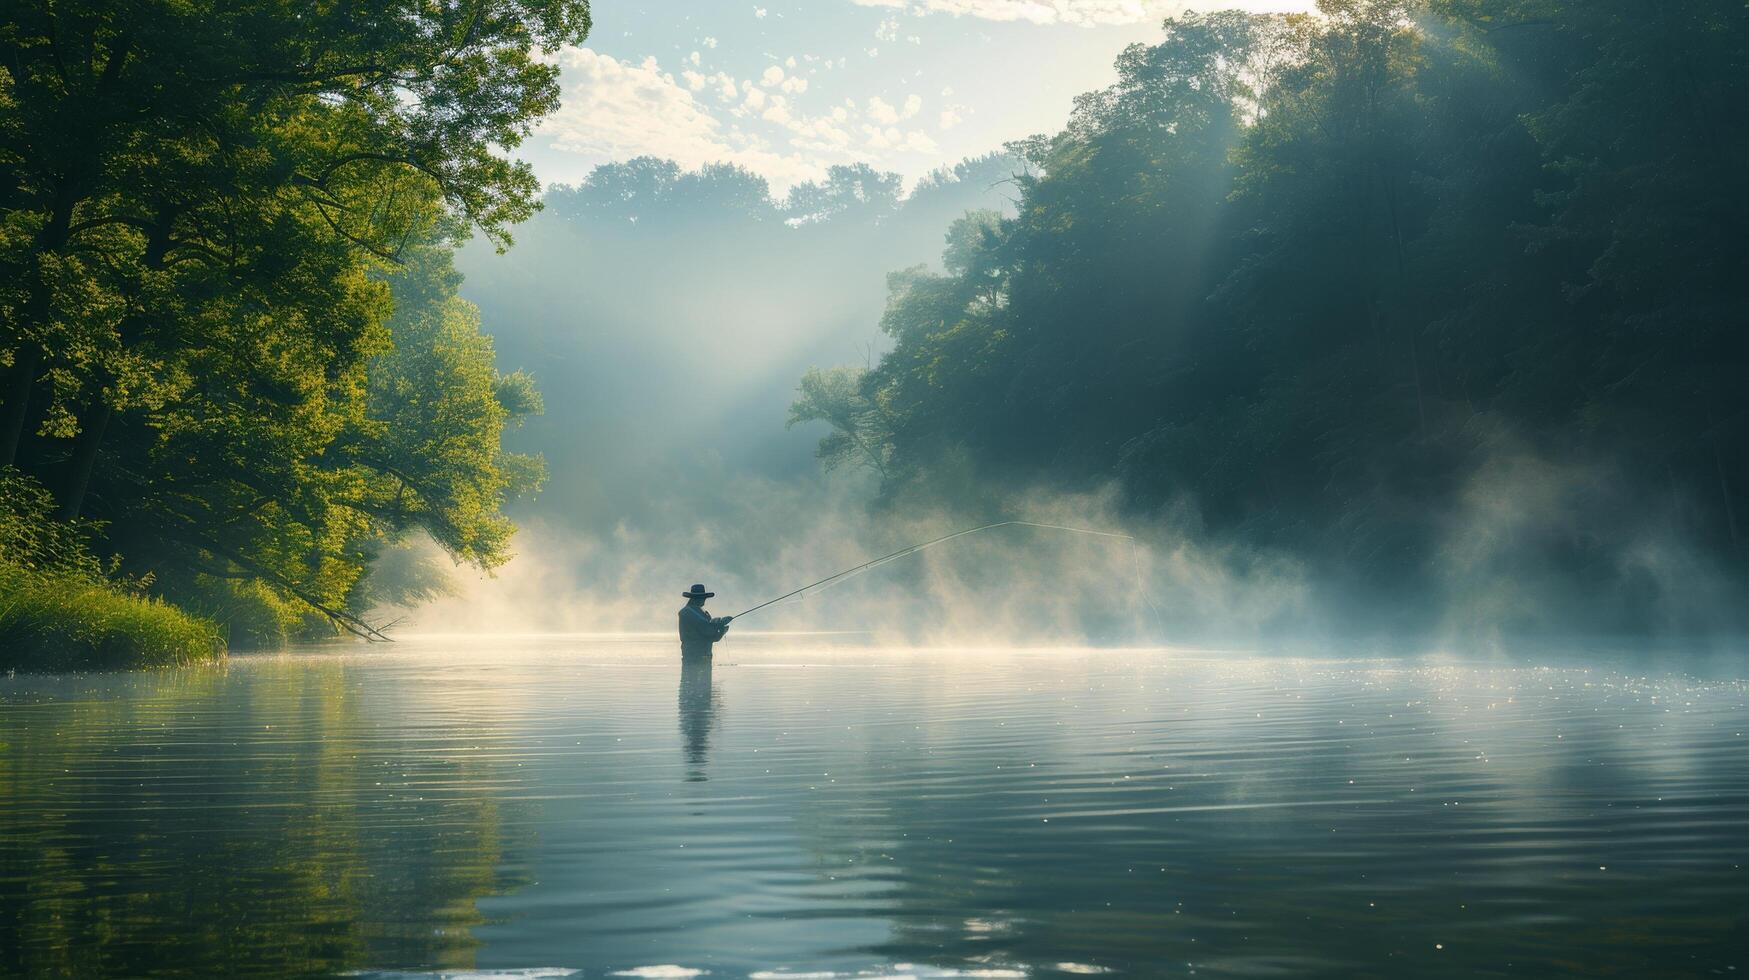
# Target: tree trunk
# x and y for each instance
(18, 389)
(84, 459)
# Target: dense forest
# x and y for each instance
(235, 364)
(1446, 300)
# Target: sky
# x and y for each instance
(788, 89)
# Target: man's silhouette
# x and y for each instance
(697, 629)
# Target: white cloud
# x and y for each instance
(778, 112)
(709, 42)
(893, 138)
(1081, 13)
(694, 58)
(882, 111)
(615, 110)
(898, 140)
(759, 12)
(887, 29)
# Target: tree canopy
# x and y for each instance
(195, 279)
(1374, 287)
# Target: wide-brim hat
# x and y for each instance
(698, 592)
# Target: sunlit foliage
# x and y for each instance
(1315, 276)
(203, 205)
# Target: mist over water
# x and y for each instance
(1171, 583)
(1021, 585)
(667, 316)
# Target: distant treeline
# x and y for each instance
(231, 350)
(654, 191)
(668, 311)
(1429, 295)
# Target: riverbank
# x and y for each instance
(53, 622)
(61, 609)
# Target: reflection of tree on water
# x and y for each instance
(269, 830)
(697, 714)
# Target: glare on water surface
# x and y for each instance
(561, 806)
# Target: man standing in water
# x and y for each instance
(697, 629)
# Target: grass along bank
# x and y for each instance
(60, 611)
(54, 622)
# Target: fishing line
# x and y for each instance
(849, 573)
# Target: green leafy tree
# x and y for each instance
(194, 273)
(855, 192)
(436, 411)
(859, 433)
(1319, 274)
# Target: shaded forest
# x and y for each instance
(1445, 300)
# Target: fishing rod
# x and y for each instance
(904, 552)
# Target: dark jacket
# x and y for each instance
(698, 631)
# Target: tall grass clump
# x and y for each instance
(62, 610)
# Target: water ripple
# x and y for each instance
(533, 808)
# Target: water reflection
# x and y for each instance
(533, 806)
(271, 821)
(698, 704)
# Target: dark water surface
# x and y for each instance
(577, 806)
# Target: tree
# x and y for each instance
(648, 190)
(1320, 276)
(860, 435)
(854, 192)
(437, 408)
(198, 264)
(202, 128)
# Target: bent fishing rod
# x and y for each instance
(904, 552)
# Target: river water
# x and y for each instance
(580, 806)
